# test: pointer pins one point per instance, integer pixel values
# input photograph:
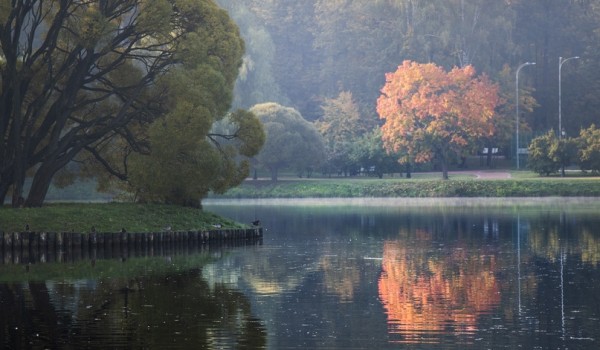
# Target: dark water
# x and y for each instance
(374, 274)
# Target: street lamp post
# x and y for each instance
(517, 103)
(561, 61)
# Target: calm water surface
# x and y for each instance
(339, 274)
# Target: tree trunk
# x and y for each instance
(489, 156)
(18, 182)
(444, 169)
(39, 186)
(408, 170)
(4, 186)
(273, 171)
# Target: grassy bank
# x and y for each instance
(109, 217)
(461, 187)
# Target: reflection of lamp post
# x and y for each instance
(561, 61)
(563, 257)
(562, 291)
(519, 259)
(517, 102)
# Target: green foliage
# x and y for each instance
(548, 153)
(368, 151)
(564, 152)
(589, 152)
(415, 188)
(291, 141)
(89, 81)
(185, 167)
(187, 159)
(540, 160)
(341, 126)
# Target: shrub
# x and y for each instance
(589, 152)
(540, 160)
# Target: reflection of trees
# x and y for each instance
(341, 272)
(550, 235)
(179, 310)
(590, 245)
(275, 274)
(427, 291)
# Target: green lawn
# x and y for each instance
(522, 184)
(109, 217)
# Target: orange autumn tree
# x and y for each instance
(431, 114)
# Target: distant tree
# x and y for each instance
(539, 157)
(341, 126)
(256, 82)
(545, 30)
(564, 152)
(589, 152)
(431, 114)
(291, 141)
(368, 152)
(79, 80)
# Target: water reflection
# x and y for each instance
(432, 293)
(345, 275)
(388, 275)
(151, 302)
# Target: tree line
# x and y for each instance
(551, 154)
(306, 54)
(303, 52)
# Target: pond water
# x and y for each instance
(334, 274)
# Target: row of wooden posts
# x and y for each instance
(36, 244)
(67, 240)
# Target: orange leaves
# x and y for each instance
(426, 108)
(424, 293)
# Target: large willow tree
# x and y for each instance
(85, 80)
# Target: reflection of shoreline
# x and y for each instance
(167, 309)
(427, 296)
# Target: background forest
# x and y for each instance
(301, 53)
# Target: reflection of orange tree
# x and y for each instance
(425, 293)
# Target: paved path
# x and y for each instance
(486, 174)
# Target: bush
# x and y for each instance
(589, 152)
(540, 159)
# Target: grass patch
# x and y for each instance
(109, 217)
(457, 186)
